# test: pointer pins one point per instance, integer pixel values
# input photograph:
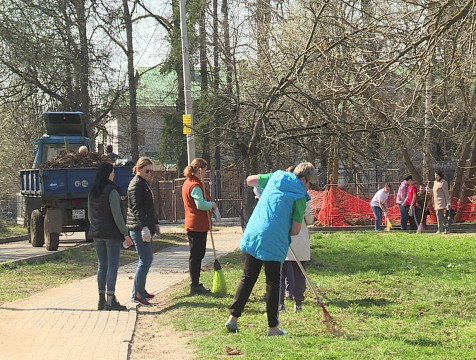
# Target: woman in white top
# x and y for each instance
(379, 204)
(290, 271)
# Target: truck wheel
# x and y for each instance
(88, 239)
(52, 241)
(37, 238)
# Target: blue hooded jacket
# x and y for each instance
(267, 234)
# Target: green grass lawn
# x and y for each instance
(72, 264)
(394, 296)
(8, 230)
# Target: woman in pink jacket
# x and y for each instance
(441, 201)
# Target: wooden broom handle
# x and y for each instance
(306, 276)
(211, 234)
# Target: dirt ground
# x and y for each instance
(151, 341)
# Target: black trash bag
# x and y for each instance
(450, 215)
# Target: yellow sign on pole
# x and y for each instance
(187, 124)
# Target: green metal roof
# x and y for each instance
(157, 89)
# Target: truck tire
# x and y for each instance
(37, 238)
(51, 241)
(88, 239)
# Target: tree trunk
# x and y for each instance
(83, 68)
(204, 73)
(460, 170)
(469, 187)
(134, 138)
(216, 85)
(428, 119)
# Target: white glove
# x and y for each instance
(146, 237)
(258, 191)
(216, 213)
(157, 229)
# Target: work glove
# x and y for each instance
(146, 237)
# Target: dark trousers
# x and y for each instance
(198, 245)
(251, 270)
(299, 281)
(403, 216)
(418, 213)
(413, 220)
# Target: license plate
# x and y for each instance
(79, 214)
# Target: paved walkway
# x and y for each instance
(63, 323)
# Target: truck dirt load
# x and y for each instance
(78, 160)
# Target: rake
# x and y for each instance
(328, 320)
(420, 225)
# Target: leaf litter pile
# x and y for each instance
(77, 160)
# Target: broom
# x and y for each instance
(328, 320)
(219, 283)
(420, 225)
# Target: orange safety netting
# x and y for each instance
(336, 207)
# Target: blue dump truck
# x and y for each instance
(56, 199)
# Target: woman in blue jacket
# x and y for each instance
(277, 215)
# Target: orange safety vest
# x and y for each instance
(195, 220)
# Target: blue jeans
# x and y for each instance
(403, 216)
(378, 216)
(108, 252)
(145, 251)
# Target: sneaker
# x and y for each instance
(198, 289)
(142, 302)
(113, 304)
(277, 331)
(438, 232)
(281, 308)
(149, 295)
(231, 327)
(297, 308)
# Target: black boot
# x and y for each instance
(102, 301)
(198, 289)
(112, 303)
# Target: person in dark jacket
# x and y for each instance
(196, 201)
(107, 229)
(110, 153)
(142, 224)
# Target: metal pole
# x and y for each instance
(186, 80)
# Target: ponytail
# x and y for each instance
(197, 163)
(188, 171)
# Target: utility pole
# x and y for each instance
(186, 82)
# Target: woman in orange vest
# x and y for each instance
(196, 201)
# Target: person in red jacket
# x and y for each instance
(196, 201)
